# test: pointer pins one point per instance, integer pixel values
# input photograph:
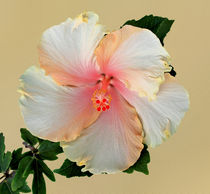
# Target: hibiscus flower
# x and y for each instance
(102, 95)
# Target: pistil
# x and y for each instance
(101, 98)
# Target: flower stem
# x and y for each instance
(29, 146)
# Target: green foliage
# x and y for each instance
(44, 168)
(16, 157)
(5, 158)
(5, 187)
(142, 162)
(6, 161)
(38, 185)
(158, 25)
(24, 189)
(2, 149)
(70, 169)
(49, 150)
(23, 167)
(28, 137)
(24, 164)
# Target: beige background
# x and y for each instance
(179, 166)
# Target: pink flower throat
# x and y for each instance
(101, 97)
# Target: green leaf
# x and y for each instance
(158, 25)
(38, 185)
(19, 179)
(6, 161)
(16, 157)
(28, 137)
(2, 146)
(70, 169)
(163, 29)
(5, 188)
(24, 189)
(40, 140)
(2, 149)
(28, 168)
(29, 153)
(142, 162)
(44, 168)
(49, 150)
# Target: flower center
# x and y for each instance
(101, 97)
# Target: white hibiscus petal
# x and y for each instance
(54, 112)
(67, 49)
(111, 144)
(162, 114)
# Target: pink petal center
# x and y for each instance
(101, 97)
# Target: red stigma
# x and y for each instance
(101, 97)
(101, 100)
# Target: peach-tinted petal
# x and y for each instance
(54, 112)
(67, 50)
(112, 143)
(110, 43)
(136, 57)
(160, 117)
